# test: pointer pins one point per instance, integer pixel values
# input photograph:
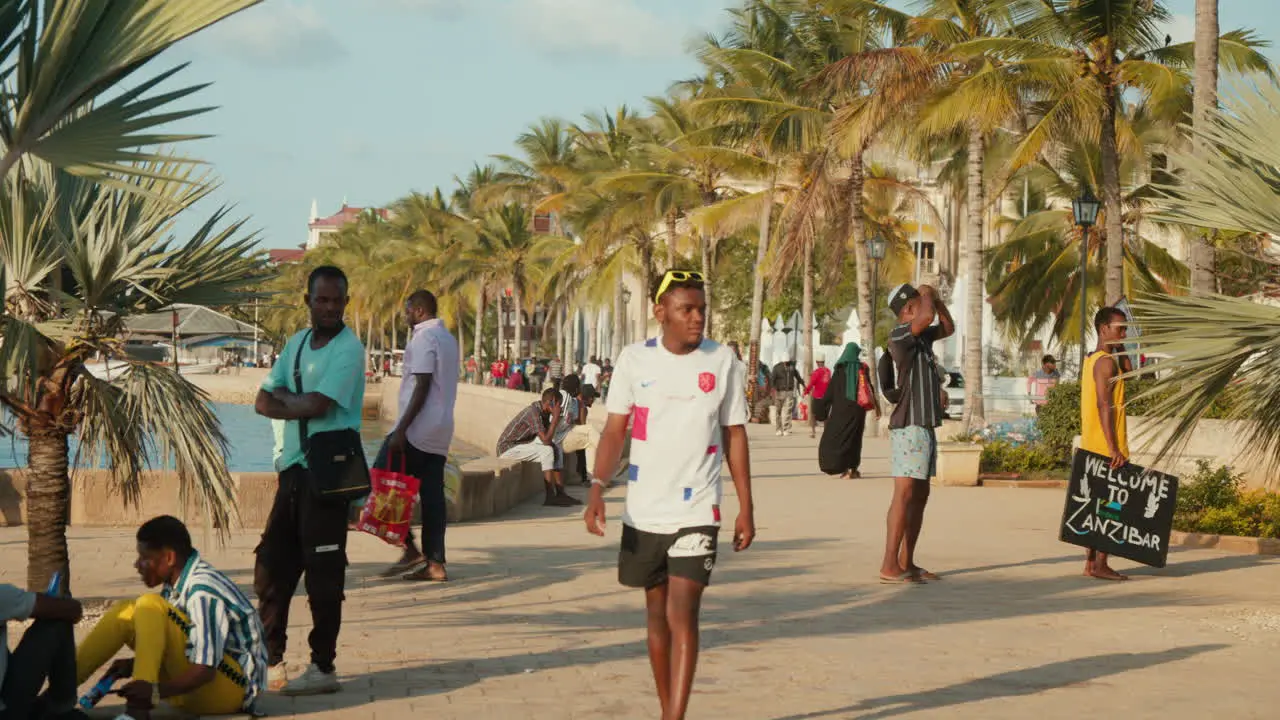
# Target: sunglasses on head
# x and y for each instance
(677, 276)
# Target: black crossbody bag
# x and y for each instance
(335, 458)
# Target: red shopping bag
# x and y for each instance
(389, 507)
(866, 397)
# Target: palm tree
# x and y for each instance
(119, 261)
(505, 235)
(73, 54)
(1088, 56)
(1204, 99)
(1212, 342)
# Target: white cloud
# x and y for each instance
(619, 27)
(281, 32)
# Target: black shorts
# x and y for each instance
(648, 559)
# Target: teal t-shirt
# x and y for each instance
(335, 371)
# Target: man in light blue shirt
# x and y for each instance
(318, 378)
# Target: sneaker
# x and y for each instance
(277, 677)
(785, 434)
(313, 681)
(778, 433)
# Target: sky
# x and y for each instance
(367, 100)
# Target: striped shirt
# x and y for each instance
(921, 401)
(222, 621)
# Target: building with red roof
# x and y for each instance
(319, 227)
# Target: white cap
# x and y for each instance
(820, 357)
(784, 357)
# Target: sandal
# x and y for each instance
(906, 578)
(925, 575)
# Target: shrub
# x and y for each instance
(1213, 500)
(1005, 457)
(1059, 420)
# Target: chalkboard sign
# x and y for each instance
(1126, 512)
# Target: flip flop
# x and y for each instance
(926, 575)
(905, 578)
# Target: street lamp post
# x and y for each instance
(1085, 211)
(875, 251)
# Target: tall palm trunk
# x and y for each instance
(757, 288)
(501, 350)
(48, 504)
(519, 319)
(806, 307)
(619, 323)
(705, 251)
(646, 282)
(851, 202)
(589, 320)
(478, 342)
(672, 227)
(1203, 101)
(1110, 156)
(975, 414)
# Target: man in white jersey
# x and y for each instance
(683, 397)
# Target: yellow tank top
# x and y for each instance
(1091, 435)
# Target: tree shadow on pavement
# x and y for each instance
(1024, 681)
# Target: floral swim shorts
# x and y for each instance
(914, 452)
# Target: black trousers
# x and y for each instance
(304, 536)
(47, 651)
(429, 469)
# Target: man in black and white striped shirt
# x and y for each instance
(913, 443)
(199, 644)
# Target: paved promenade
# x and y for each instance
(535, 626)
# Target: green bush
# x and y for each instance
(1005, 457)
(1059, 420)
(1214, 501)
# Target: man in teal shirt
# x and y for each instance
(319, 378)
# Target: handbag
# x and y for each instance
(335, 458)
(389, 507)
(866, 400)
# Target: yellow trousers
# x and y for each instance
(157, 633)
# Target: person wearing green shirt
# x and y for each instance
(319, 378)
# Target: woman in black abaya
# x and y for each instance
(840, 449)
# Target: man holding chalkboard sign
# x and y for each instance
(1102, 419)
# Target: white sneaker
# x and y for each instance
(312, 682)
(277, 677)
(778, 433)
(785, 434)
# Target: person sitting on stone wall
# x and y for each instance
(531, 435)
(47, 651)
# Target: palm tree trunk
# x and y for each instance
(705, 250)
(672, 227)
(478, 341)
(48, 505)
(589, 318)
(619, 323)
(975, 414)
(501, 350)
(806, 307)
(851, 203)
(519, 319)
(1110, 156)
(1203, 101)
(757, 289)
(646, 283)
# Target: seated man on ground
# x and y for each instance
(198, 644)
(47, 651)
(531, 436)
